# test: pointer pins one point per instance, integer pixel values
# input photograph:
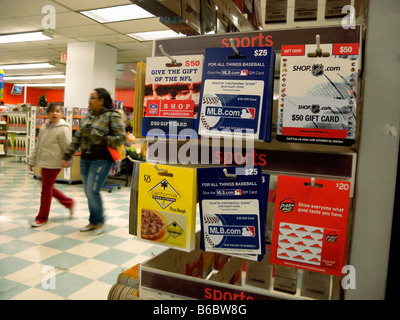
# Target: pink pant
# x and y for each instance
(48, 191)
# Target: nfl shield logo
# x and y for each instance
(153, 108)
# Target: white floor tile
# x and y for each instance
(92, 269)
(37, 294)
(87, 249)
(94, 291)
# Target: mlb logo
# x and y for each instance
(248, 113)
(243, 72)
(153, 108)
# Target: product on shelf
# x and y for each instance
(236, 96)
(172, 94)
(232, 210)
(166, 210)
(310, 224)
(318, 95)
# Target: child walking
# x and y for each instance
(54, 137)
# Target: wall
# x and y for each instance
(125, 95)
(32, 96)
(57, 95)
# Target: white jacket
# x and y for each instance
(50, 146)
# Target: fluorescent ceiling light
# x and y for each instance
(23, 37)
(26, 66)
(50, 76)
(119, 13)
(45, 84)
(154, 35)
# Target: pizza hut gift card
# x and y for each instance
(310, 224)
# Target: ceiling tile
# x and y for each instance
(111, 39)
(14, 25)
(24, 8)
(140, 25)
(91, 30)
(133, 45)
(20, 46)
(64, 19)
(42, 53)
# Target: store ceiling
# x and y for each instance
(71, 26)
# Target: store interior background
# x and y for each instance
(72, 26)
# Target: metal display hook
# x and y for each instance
(159, 169)
(318, 52)
(233, 46)
(228, 175)
(173, 61)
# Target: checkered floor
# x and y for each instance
(57, 261)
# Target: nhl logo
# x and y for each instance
(317, 70)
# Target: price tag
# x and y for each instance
(345, 49)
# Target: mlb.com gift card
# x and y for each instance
(318, 95)
(236, 97)
(310, 224)
(232, 214)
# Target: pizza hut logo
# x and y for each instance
(286, 205)
(331, 237)
(317, 70)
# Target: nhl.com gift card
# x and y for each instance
(318, 95)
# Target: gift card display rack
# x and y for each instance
(162, 277)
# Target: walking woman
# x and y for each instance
(99, 128)
(54, 137)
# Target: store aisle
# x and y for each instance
(57, 261)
